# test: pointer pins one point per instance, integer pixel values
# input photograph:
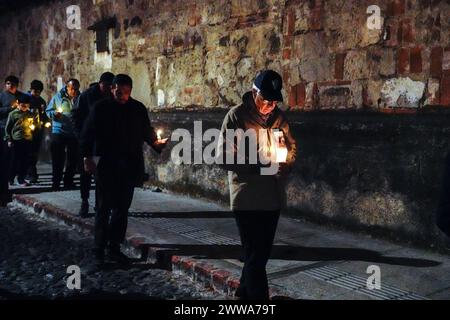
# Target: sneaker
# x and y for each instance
(84, 209)
(118, 257)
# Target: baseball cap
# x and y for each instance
(269, 84)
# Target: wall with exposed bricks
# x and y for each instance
(205, 53)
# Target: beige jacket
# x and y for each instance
(249, 189)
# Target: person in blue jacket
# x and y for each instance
(64, 143)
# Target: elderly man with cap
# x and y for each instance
(114, 134)
(8, 101)
(80, 112)
(257, 196)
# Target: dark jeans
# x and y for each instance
(5, 153)
(257, 231)
(20, 156)
(85, 186)
(58, 147)
(34, 153)
(114, 192)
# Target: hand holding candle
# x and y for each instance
(281, 151)
(31, 124)
(160, 143)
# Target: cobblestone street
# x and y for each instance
(35, 254)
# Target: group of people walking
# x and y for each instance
(102, 130)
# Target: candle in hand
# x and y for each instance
(31, 124)
(159, 134)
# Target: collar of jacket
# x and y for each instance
(64, 94)
(264, 121)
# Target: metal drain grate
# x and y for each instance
(191, 232)
(355, 283)
(328, 274)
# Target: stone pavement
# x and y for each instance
(200, 239)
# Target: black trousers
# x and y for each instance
(61, 146)
(5, 153)
(20, 156)
(114, 192)
(36, 143)
(257, 231)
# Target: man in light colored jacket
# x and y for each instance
(257, 194)
(64, 141)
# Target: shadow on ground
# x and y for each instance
(298, 253)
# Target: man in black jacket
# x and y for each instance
(80, 112)
(41, 122)
(114, 133)
(8, 101)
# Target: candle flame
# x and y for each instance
(159, 134)
(48, 124)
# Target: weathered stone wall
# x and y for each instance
(205, 53)
(364, 170)
(360, 165)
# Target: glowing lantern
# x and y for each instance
(31, 124)
(281, 151)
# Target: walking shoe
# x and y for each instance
(84, 209)
(117, 256)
